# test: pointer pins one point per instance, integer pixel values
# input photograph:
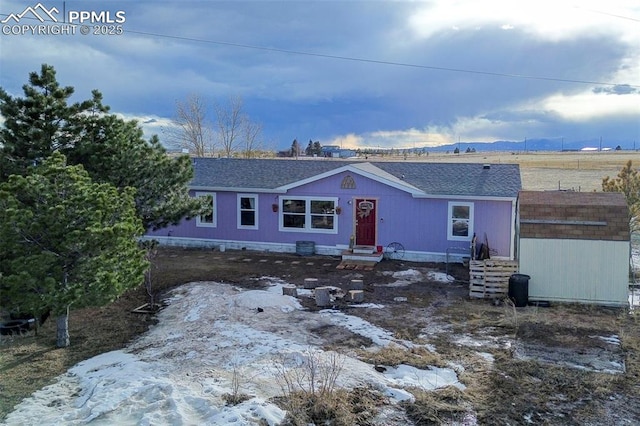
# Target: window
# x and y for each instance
(322, 214)
(208, 218)
(306, 214)
(460, 226)
(247, 211)
(294, 213)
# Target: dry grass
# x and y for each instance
(507, 390)
(529, 391)
(443, 406)
(310, 395)
(340, 408)
(394, 355)
(548, 170)
(535, 159)
(511, 390)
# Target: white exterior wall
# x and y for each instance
(588, 271)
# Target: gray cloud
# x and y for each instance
(203, 47)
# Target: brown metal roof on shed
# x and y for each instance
(573, 215)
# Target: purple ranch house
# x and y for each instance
(431, 209)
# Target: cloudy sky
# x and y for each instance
(357, 73)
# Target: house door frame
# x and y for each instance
(367, 217)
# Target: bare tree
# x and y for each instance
(194, 132)
(229, 122)
(251, 136)
(232, 129)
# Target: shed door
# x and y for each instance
(365, 222)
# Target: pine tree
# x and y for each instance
(40, 123)
(66, 240)
(627, 182)
(111, 149)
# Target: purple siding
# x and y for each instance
(420, 224)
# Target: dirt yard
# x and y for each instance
(565, 364)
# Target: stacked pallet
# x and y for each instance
(489, 279)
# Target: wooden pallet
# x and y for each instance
(360, 265)
(489, 279)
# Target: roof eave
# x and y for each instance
(469, 197)
(236, 189)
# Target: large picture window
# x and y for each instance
(247, 211)
(209, 217)
(308, 214)
(460, 222)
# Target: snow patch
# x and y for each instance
(209, 335)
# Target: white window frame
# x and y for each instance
(214, 222)
(450, 235)
(307, 221)
(239, 211)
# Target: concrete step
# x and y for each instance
(364, 249)
(365, 257)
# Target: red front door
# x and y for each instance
(365, 222)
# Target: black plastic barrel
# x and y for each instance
(519, 289)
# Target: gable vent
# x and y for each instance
(486, 166)
(348, 183)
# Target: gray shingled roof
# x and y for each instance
(462, 179)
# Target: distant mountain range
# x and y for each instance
(535, 145)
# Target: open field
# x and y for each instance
(518, 365)
(580, 171)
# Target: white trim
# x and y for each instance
(466, 197)
(236, 189)
(214, 206)
(307, 228)
(239, 209)
(373, 173)
(450, 235)
(284, 190)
